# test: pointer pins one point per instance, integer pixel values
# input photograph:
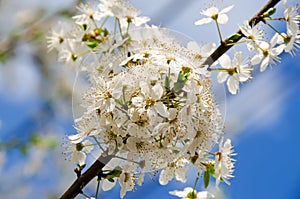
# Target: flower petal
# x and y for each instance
(264, 64)
(225, 61)
(222, 76)
(233, 85)
(222, 19)
(107, 185)
(161, 109)
(166, 176)
(203, 21)
(227, 9)
(256, 59)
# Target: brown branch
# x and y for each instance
(96, 168)
(86, 177)
(222, 48)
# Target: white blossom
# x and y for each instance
(190, 193)
(174, 169)
(253, 34)
(292, 17)
(268, 54)
(213, 13)
(77, 152)
(239, 71)
(89, 13)
(224, 164)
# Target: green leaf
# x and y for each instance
(233, 38)
(109, 175)
(167, 81)
(182, 79)
(93, 43)
(269, 12)
(111, 180)
(206, 179)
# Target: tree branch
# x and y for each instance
(86, 177)
(96, 168)
(223, 48)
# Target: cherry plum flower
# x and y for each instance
(213, 13)
(268, 53)
(224, 164)
(190, 193)
(237, 71)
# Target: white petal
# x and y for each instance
(88, 146)
(144, 88)
(233, 85)
(227, 9)
(275, 39)
(137, 101)
(157, 91)
(278, 50)
(256, 59)
(76, 138)
(264, 64)
(166, 176)
(204, 195)
(222, 19)
(138, 21)
(238, 58)
(161, 109)
(203, 21)
(192, 45)
(107, 185)
(225, 61)
(78, 156)
(180, 174)
(222, 76)
(208, 48)
(210, 11)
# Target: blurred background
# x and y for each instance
(36, 106)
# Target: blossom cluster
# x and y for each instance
(149, 104)
(263, 52)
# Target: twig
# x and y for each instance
(86, 177)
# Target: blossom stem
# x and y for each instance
(278, 19)
(126, 159)
(219, 31)
(115, 29)
(98, 186)
(195, 183)
(272, 27)
(119, 25)
(95, 24)
(98, 144)
(228, 70)
(104, 21)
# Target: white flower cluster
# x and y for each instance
(149, 104)
(265, 52)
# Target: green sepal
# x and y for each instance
(206, 178)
